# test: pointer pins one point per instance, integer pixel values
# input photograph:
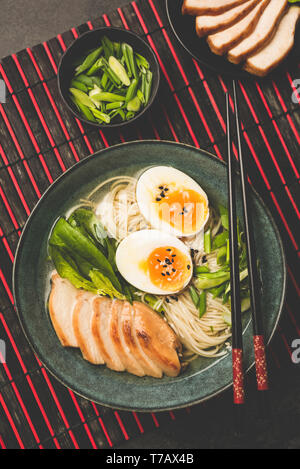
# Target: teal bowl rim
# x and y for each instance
(28, 222)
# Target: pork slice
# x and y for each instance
(157, 339)
(82, 324)
(261, 35)
(221, 42)
(102, 307)
(149, 367)
(62, 301)
(210, 24)
(264, 61)
(211, 7)
(130, 362)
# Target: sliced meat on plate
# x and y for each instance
(130, 357)
(209, 7)
(101, 330)
(262, 34)
(62, 302)
(117, 338)
(210, 24)
(152, 368)
(82, 324)
(113, 332)
(275, 52)
(126, 328)
(221, 42)
(157, 339)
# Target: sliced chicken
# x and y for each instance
(151, 369)
(210, 24)
(221, 42)
(127, 328)
(113, 332)
(125, 355)
(101, 330)
(129, 358)
(158, 341)
(82, 324)
(275, 52)
(208, 7)
(261, 35)
(62, 302)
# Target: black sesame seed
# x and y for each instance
(158, 260)
(162, 194)
(158, 199)
(188, 267)
(168, 273)
(173, 255)
(167, 300)
(163, 274)
(161, 187)
(173, 270)
(169, 250)
(204, 259)
(166, 189)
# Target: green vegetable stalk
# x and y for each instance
(89, 61)
(65, 236)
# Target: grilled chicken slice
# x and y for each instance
(261, 35)
(221, 42)
(151, 369)
(126, 326)
(124, 353)
(82, 324)
(62, 301)
(209, 7)
(127, 343)
(275, 52)
(113, 332)
(101, 325)
(158, 341)
(210, 24)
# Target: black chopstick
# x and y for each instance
(236, 314)
(254, 281)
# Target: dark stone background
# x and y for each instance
(24, 23)
(28, 22)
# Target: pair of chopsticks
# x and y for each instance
(254, 282)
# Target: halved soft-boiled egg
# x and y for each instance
(154, 262)
(172, 201)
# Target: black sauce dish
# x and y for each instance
(82, 46)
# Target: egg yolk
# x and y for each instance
(169, 269)
(185, 209)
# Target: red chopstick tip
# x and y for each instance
(238, 376)
(261, 363)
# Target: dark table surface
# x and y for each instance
(209, 425)
(35, 21)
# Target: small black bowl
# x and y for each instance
(91, 40)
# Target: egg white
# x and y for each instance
(146, 193)
(136, 248)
